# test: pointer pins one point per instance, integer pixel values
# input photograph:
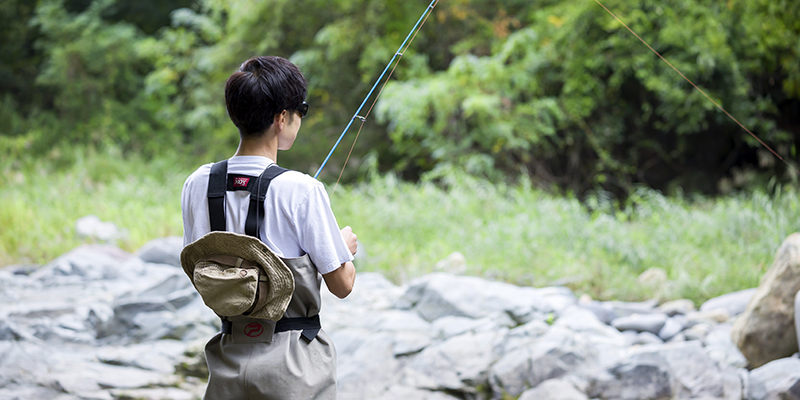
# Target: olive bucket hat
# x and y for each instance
(238, 275)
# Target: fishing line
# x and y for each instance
(397, 56)
(696, 87)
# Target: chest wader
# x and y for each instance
(292, 358)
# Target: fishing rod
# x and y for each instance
(397, 55)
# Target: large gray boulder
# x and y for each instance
(777, 380)
(634, 379)
(439, 295)
(734, 303)
(766, 330)
(369, 367)
(162, 251)
(673, 370)
(555, 354)
(459, 364)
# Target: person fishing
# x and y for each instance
(259, 240)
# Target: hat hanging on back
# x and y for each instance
(238, 275)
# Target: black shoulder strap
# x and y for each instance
(257, 195)
(217, 185)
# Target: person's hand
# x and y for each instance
(350, 239)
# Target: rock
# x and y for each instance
(676, 307)
(715, 315)
(678, 338)
(438, 295)
(8, 331)
(18, 392)
(580, 320)
(455, 263)
(87, 262)
(672, 327)
(399, 392)
(92, 227)
(797, 315)
(653, 278)
(697, 332)
(602, 311)
(447, 327)
(641, 322)
(634, 380)
(766, 330)
(682, 370)
(409, 332)
(645, 338)
(153, 394)
(162, 251)
(624, 309)
(370, 367)
(160, 356)
(695, 374)
(734, 303)
(127, 311)
(779, 379)
(553, 389)
(555, 354)
(371, 291)
(720, 347)
(108, 326)
(459, 364)
(524, 336)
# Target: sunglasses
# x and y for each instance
(302, 109)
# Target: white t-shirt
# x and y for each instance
(297, 213)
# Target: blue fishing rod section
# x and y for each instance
(355, 116)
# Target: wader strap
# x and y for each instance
(309, 325)
(257, 195)
(217, 185)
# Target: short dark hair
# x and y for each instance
(260, 89)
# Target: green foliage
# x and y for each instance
(558, 91)
(577, 100)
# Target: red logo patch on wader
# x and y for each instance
(253, 329)
(240, 182)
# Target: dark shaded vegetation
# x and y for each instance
(557, 91)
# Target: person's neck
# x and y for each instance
(264, 146)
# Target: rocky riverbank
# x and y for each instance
(100, 323)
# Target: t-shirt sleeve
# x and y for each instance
(194, 205)
(318, 232)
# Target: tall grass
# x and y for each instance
(514, 233)
(707, 247)
(41, 201)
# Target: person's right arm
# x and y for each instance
(340, 281)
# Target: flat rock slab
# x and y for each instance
(641, 322)
(439, 295)
(734, 303)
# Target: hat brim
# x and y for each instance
(280, 281)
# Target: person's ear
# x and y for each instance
(280, 119)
